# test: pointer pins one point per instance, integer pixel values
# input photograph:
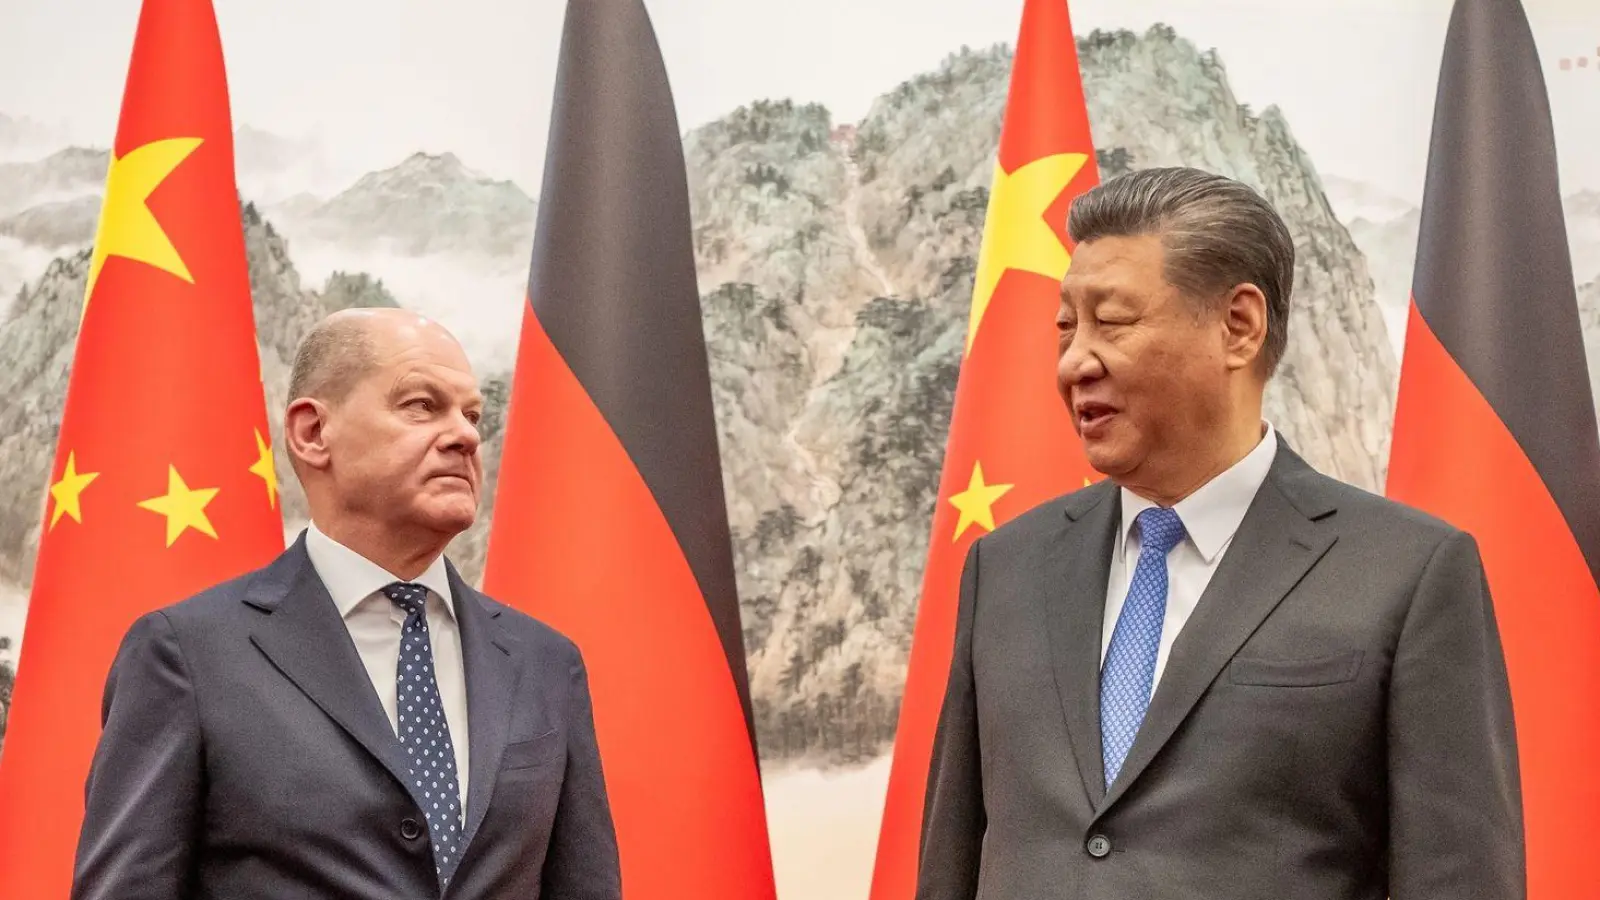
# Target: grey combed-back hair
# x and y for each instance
(1217, 233)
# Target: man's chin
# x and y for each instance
(1105, 458)
(451, 518)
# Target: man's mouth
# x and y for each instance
(1091, 415)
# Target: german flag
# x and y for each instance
(610, 522)
(1495, 426)
(163, 482)
(1011, 444)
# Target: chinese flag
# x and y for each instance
(610, 522)
(1495, 426)
(1011, 443)
(163, 481)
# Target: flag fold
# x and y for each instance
(1011, 444)
(610, 522)
(1495, 425)
(163, 482)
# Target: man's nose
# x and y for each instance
(464, 435)
(1078, 362)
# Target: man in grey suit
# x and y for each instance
(353, 720)
(1216, 673)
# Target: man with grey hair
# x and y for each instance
(1216, 673)
(354, 720)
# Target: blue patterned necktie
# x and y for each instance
(1129, 673)
(423, 731)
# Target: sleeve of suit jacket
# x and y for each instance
(953, 819)
(582, 863)
(1455, 805)
(143, 805)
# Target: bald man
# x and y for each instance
(354, 720)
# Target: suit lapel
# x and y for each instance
(1076, 574)
(307, 641)
(492, 674)
(1279, 541)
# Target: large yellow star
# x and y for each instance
(69, 490)
(184, 508)
(1015, 234)
(127, 226)
(266, 468)
(977, 502)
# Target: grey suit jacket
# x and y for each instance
(245, 755)
(1334, 722)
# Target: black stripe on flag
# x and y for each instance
(613, 283)
(1493, 276)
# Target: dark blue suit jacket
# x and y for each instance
(245, 755)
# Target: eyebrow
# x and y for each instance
(1096, 293)
(413, 382)
(422, 383)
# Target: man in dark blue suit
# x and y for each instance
(354, 720)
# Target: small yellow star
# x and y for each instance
(127, 226)
(266, 468)
(1015, 234)
(977, 502)
(68, 491)
(184, 508)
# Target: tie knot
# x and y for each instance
(1159, 529)
(412, 598)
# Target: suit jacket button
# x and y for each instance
(1099, 846)
(409, 829)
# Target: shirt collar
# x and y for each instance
(1211, 514)
(352, 578)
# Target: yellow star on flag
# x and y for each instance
(977, 501)
(1015, 234)
(68, 491)
(183, 507)
(127, 226)
(266, 468)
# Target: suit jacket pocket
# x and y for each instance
(531, 752)
(1322, 670)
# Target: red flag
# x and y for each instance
(163, 481)
(1011, 444)
(609, 519)
(1495, 426)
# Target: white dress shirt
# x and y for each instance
(374, 622)
(1210, 516)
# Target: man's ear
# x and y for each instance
(1245, 316)
(305, 432)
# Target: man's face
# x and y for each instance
(1145, 377)
(403, 444)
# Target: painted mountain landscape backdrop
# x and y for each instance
(836, 263)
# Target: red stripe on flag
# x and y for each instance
(587, 550)
(1456, 459)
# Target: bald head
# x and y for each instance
(382, 432)
(346, 345)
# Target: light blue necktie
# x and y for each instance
(424, 732)
(1130, 669)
